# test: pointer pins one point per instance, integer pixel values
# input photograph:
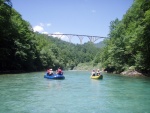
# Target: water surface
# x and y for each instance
(32, 93)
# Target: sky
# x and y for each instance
(82, 17)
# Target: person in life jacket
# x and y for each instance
(93, 73)
(59, 71)
(50, 71)
(98, 72)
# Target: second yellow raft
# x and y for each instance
(97, 77)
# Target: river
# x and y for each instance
(77, 93)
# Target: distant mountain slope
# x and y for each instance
(100, 44)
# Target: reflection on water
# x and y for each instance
(78, 93)
(55, 84)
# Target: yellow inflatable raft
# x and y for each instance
(97, 77)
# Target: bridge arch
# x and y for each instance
(81, 37)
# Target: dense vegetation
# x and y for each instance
(128, 45)
(21, 49)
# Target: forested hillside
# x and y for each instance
(23, 50)
(128, 45)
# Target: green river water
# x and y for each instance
(77, 93)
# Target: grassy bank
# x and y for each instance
(88, 66)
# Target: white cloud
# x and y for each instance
(57, 34)
(41, 24)
(60, 35)
(45, 32)
(38, 28)
(48, 24)
(93, 11)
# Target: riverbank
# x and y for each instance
(90, 66)
(131, 73)
(87, 66)
(134, 73)
(12, 72)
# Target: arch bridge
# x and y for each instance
(70, 36)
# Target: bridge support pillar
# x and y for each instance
(92, 38)
(70, 37)
(80, 38)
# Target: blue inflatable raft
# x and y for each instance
(54, 76)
